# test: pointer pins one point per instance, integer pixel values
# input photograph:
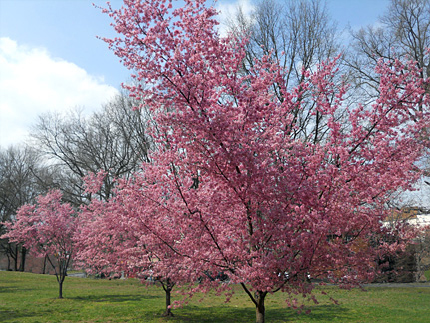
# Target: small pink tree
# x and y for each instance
(268, 184)
(46, 228)
(116, 237)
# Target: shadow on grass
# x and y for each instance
(17, 316)
(114, 298)
(13, 289)
(12, 315)
(216, 314)
(320, 313)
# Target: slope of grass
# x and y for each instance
(28, 297)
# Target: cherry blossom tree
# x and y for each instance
(239, 183)
(46, 228)
(114, 238)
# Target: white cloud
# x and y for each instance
(33, 82)
(229, 9)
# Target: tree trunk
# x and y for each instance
(8, 262)
(60, 294)
(23, 257)
(259, 308)
(167, 287)
(168, 311)
(15, 259)
(44, 265)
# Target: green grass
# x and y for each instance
(28, 297)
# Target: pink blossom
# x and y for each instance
(239, 185)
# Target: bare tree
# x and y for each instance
(409, 23)
(113, 140)
(403, 32)
(298, 34)
(23, 176)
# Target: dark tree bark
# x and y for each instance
(60, 288)
(60, 267)
(23, 258)
(44, 265)
(14, 256)
(167, 287)
(259, 308)
(8, 263)
(258, 300)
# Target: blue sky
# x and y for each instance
(51, 59)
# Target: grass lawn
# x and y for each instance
(28, 297)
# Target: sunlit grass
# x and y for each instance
(33, 298)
